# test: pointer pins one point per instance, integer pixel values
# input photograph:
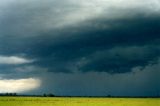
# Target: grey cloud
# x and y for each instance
(29, 18)
(120, 59)
(60, 53)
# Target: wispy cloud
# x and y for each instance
(13, 60)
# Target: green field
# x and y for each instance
(40, 101)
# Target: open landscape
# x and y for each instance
(79, 52)
(77, 101)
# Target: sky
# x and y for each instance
(80, 47)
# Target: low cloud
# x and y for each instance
(14, 60)
(119, 59)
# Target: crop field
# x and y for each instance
(64, 101)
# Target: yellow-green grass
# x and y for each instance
(41, 101)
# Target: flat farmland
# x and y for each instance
(77, 101)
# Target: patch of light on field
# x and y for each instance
(18, 85)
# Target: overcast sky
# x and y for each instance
(80, 47)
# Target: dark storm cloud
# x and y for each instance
(137, 38)
(120, 59)
(63, 49)
(113, 45)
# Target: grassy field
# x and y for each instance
(40, 101)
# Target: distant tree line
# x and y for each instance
(15, 94)
(48, 95)
(8, 94)
(52, 95)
